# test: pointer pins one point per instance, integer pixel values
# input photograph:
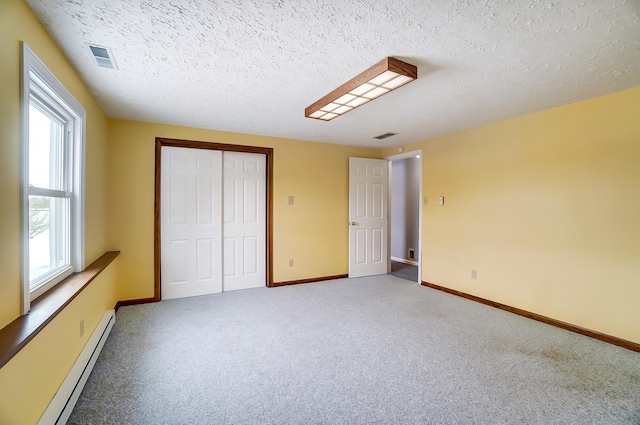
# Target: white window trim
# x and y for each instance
(32, 64)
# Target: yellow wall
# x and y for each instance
(30, 380)
(19, 24)
(41, 366)
(313, 232)
(546, 207)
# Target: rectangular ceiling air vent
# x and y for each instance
(103, 56)
(385, 135)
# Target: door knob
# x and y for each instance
(353, 223)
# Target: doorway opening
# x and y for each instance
(405, 215)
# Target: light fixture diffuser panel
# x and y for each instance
(378, 91)
(345, 99)
(358, 91)
(357, 102)
(329, 116)
(317, 114)
(383, 77)
(341, 110)
(330, 107)
(396, 82)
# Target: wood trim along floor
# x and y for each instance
(630, 345)
(46, 307)
(268, 152)
(136, 301)
(311, 280)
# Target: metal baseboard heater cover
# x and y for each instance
(63, 402)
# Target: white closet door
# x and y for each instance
(191, 222)
(244, 215)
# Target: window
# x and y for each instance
(52, 179)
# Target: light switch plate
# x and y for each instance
(441, 200)
(290, 200)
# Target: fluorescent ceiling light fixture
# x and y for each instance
(381, 78)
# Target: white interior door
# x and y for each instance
(191, 224)
(368, 224)
(244, 229)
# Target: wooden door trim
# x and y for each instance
(179, 143)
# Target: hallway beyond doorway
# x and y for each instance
(404, 271)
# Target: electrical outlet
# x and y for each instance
(291, 262)
(474, 274)
(82, 327)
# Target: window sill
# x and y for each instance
(45, 308)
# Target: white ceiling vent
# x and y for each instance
(384, 136)
(103, 56)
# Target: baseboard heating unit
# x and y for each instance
(65, 399)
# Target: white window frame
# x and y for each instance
(38, 81)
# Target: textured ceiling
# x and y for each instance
(252, 66)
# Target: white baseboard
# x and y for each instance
(402, 260)
(62, 404)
